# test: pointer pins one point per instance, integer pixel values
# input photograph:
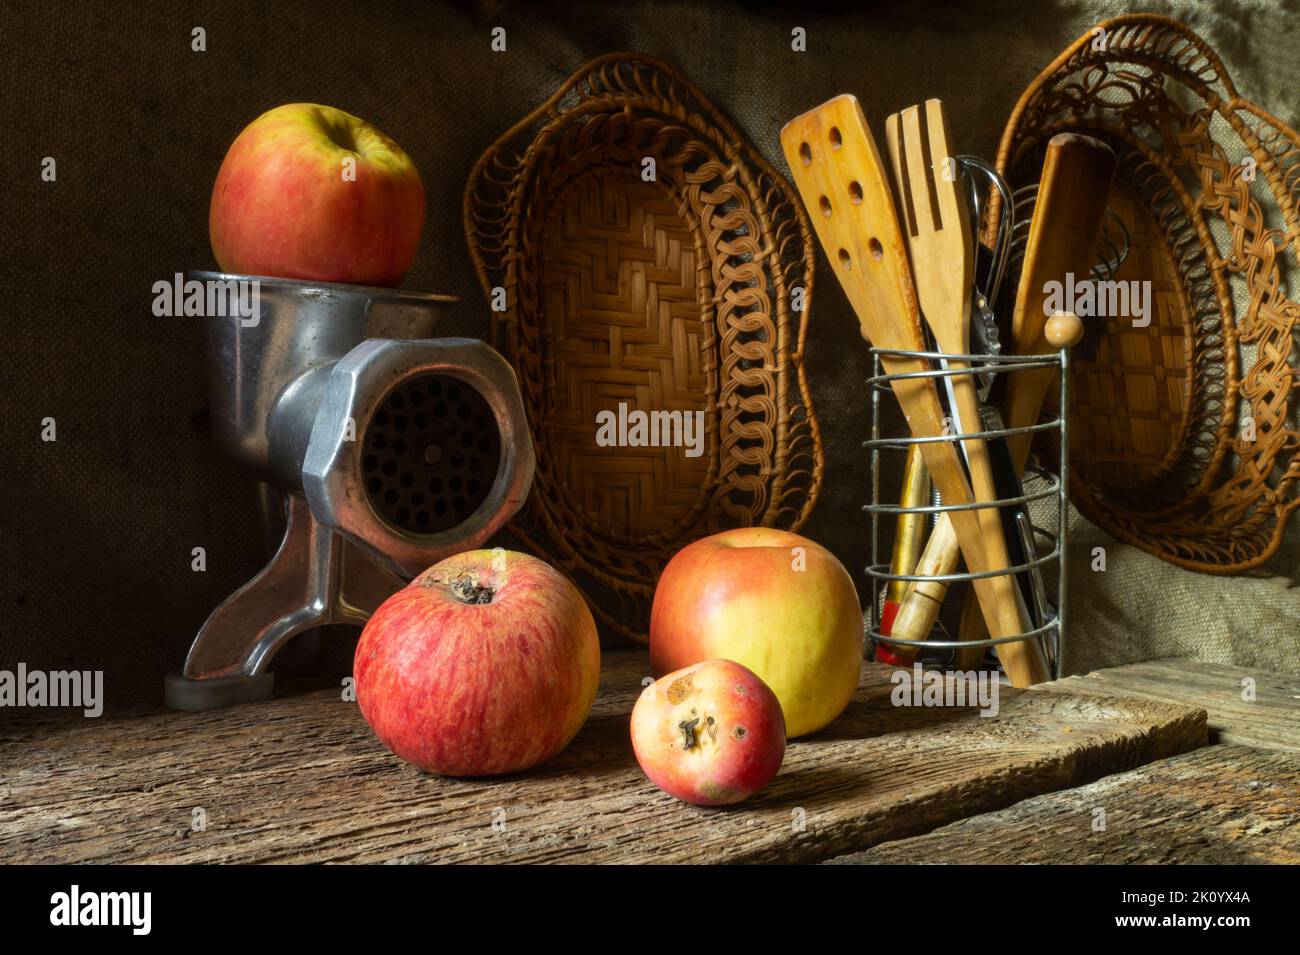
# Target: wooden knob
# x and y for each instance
(1063, 330)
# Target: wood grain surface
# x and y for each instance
(1271, 720)
(1218, 805)
(302, 779)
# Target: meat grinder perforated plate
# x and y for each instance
(432, 452)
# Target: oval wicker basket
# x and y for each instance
(1162, 451)
(675, 292)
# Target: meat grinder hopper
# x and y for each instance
(385, 448)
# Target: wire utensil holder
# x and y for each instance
(1038, 484)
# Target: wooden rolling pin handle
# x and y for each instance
(916, 615)
(1063, 330)
(918, 611)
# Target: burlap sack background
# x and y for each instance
(97, 528)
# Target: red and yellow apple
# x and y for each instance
(312, 192)
(486, 663)
(711, 733)
(772, 601)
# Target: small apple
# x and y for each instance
(773, 601)
(311, 192)
(486, 663)
(711, 734)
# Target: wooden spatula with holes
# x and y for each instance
(838, 171)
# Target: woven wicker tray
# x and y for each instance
(675, 294)
(1161, 416)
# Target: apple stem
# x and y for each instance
(688, 732)
(470, 591)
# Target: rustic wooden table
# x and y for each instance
(1236, 800)
(301, 779)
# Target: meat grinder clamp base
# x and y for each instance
(196, 696)
(315, 578)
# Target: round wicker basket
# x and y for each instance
(646, 259)
(1183, 434)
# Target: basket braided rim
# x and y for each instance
(1227, 522)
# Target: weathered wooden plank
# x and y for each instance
(1221, 804)
(1270, 720)
(302, 779)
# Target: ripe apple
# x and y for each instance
(711, 733)
(773, 601)
(312, 192)
(486, 663)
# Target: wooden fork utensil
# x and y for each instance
(938, 233)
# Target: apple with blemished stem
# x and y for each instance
(711, 734)
(311, 192)
(487, 663)
(773, 601)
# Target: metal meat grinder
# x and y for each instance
(381, 449)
